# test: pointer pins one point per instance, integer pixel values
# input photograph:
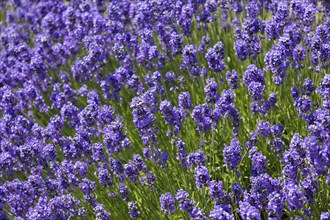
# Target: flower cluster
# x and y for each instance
(200, 109)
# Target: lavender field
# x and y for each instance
(165, 109)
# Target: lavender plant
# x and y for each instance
(208, 109)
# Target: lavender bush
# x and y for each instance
(154, 109)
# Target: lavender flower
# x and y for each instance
(202, 176)
(294, 196)
(219, 213)
(185, 100)
(264, 128)
(275, 205)
(100, 213)
(170, 114)
(202, 116)
(232, 79)
(232, 154)
(123, 190)
(132, 210)
(189, 56)
(211, 91)
(248, 211)
(259, 161)
(253, 78)
(196, 158)
(216, 190)
(215, 57)
(197, 213)
(182, 154)
(185, 203)
(325, 216)
(167, 203)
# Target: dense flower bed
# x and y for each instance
(165, 109)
